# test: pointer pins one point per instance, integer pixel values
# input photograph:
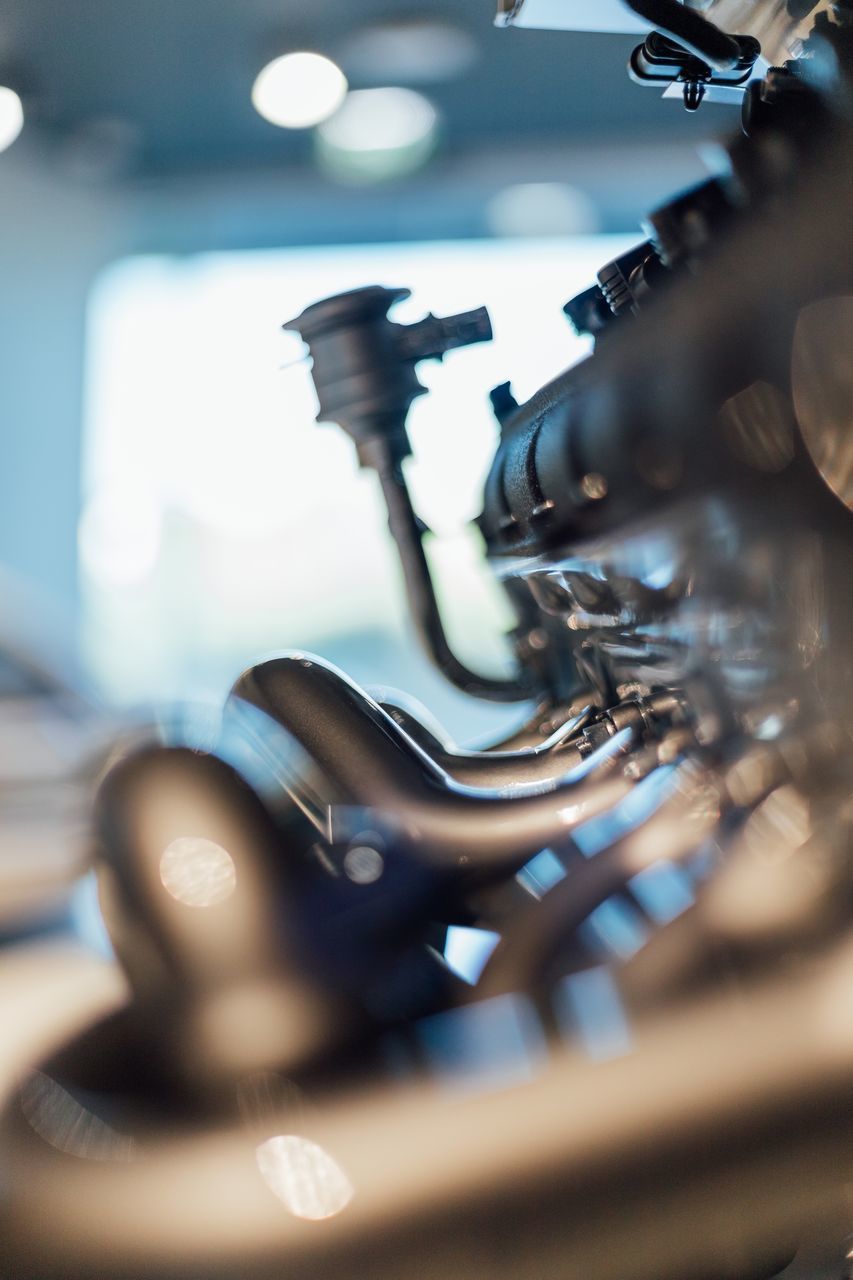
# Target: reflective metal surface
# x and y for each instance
(577, 1003)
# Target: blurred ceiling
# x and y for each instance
(163, 86)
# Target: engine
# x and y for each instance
(649, 1070)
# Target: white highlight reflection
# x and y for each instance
(467, 951)
(197, 872)
(299, 90)
(67, 1125)
(11, 117)
(363, 864)
(304, 1177)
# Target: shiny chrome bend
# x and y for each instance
(366, 761)
(504, 771)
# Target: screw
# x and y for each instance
(694, 92)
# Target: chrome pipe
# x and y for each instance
(365, 761)
(496, 769)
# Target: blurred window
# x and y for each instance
(219, 522)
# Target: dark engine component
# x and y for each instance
(663, 61)
(364, 363)
(364, 373)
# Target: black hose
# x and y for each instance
(408, 532)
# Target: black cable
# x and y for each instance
(408, 533)
(690, 29)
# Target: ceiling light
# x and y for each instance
(378, 133)
(11, 117)
(299, 90)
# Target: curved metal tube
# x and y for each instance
(414, 719)
(371, 764)
(199, 909)
(739, 1135)
(497, 770)
(672, 832)
(545, 720)
(703, 798)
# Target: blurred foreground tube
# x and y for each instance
(730, 1123)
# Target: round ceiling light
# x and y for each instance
(299, 90)
(11, 117)
(377, 134)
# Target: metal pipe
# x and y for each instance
(498, 770)
(199, 895)
(365, 762)
(699, 800)
(731, 1121)
(532, 942)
